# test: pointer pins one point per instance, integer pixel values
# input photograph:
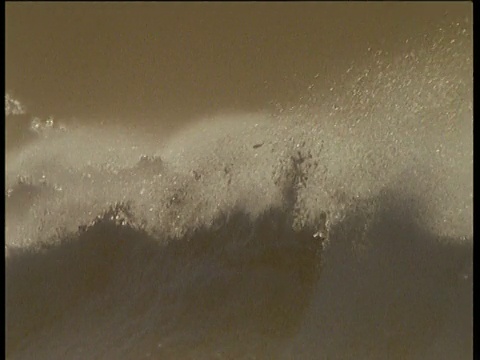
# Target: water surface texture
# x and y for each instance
(239, 181)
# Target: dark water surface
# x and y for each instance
(239, 181)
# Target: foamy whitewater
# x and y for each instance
(340, 228)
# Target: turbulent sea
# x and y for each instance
(338, 228)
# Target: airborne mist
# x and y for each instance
(334, 226)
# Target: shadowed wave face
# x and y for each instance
(337, 228)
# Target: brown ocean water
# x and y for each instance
(239, 181)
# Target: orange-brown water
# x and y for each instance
(239, 181)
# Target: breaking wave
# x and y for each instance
(338, 229)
